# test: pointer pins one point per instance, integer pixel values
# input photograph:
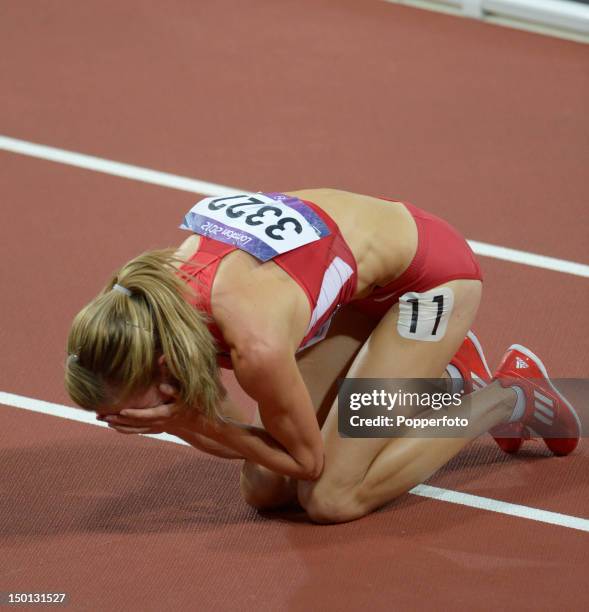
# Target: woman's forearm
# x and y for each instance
(205, 444)
(196, 431)
(258, 446)
(246, 442)
(228, 435)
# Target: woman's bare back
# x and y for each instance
(381, 234)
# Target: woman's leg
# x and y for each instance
(362, 474)
(321, 365)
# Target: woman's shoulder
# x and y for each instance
(252, 311)
(188, 248)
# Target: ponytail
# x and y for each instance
(115, 340)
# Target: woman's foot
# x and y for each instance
(472, 368)
(540, 409)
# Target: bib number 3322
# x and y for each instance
(264, 225)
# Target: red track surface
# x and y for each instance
(483, 125)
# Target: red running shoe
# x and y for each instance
(471, 363)
(547, 412)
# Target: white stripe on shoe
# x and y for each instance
(542, 418)
(543, 398)
(478, 380)
(543, 409)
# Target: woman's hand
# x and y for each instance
(117, 424)
(168, 416)
(158, 411)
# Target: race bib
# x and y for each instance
(262, 224)
(425, 316)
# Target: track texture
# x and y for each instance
(482, 125)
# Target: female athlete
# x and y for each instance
(294, 291)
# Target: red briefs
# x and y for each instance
(442, 255)
(326, 269)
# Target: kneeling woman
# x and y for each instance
(293, 292)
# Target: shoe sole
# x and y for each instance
(528, 353)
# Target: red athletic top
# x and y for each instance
(325, 269)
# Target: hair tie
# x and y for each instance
(121, 289)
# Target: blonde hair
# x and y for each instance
(114, 342)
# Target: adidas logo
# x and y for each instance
(520, 363)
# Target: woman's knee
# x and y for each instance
(263, 489)
(327, 504)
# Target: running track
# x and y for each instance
(483, 125)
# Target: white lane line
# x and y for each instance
(67, 412)
(174, 181)
(107, 166)
(529, 259)
(495, 505)
(446, 495)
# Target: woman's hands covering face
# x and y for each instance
(155, 411)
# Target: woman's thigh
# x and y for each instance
(321, 365)
(387, 354)
(328, 361)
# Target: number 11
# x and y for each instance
(439, 299)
